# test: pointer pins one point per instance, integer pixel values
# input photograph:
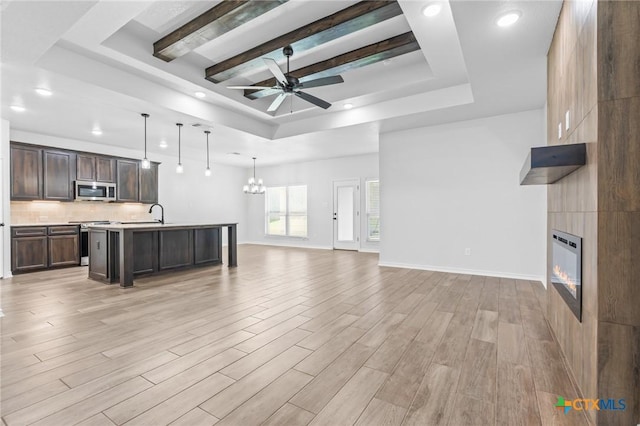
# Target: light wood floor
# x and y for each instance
(290, 337)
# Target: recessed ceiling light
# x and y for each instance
(386, 62)
(432, 9)
(43, 92)
(18, 108)
(163, 144)
(96, 132)
(508, 19)
(348, 106)
(200, 94)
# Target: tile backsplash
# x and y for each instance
(30, 212)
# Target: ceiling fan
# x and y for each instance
(290, 85)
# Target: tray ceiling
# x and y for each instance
(400, 68)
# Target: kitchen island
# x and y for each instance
(120, 252)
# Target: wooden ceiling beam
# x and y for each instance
(223, 17)
(343, 22)
(371, 54)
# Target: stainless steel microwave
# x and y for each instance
(95, 191)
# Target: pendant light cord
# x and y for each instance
(145, 115)
(207, 132)
(179, 143)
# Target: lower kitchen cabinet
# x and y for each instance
(29, 254)
(63, 250)
(36, 248)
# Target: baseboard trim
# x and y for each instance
(286, 244)
(463, 271)
(368, 250)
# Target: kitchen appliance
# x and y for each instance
(84, 238)
(95, 191)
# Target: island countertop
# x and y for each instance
(150, 226)
(118, 252)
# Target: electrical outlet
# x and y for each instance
(467, 252)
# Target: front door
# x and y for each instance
(346, 215)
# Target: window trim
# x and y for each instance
(287, 214)
(367, 212)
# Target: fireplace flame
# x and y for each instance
(566, 280)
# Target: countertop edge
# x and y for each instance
(151, 227)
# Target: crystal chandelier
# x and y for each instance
(254, 187)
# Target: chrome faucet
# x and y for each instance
(161, 209)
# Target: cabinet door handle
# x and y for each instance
(98, 244)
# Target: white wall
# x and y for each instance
(190, 197)
(319, 177)
(5, 182)
(456, 186)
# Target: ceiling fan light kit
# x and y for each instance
(289, 85)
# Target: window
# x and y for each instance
(287, 211)
(373, 210)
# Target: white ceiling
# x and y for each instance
(96, 57)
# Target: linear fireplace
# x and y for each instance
(566, 270)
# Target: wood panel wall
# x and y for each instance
(594, 73)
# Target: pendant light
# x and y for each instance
(207, 171)
(254, 187)
(145, 164)
(179, 168)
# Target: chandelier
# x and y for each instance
(254, 187)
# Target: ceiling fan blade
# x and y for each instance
(310, 98)
(276, 71)
(323, 81)
(251, 87)
(277, 102)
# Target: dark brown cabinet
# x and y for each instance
(59, 169)
(105, 169)
(41, 247)
(98, 254)
(145, 245)
(127, 181)
(207, 245)
(149, 184)
(43, 173)
(96, 168)
(175, 249)
(28, 249)
(64, 246)
(26, 173)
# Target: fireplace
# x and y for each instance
(566, 269)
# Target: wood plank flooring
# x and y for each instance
(290, 337)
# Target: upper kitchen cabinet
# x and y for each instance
(149, 184)
(96, 168)
(59, 169)
(127, 181)
(26, 172)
